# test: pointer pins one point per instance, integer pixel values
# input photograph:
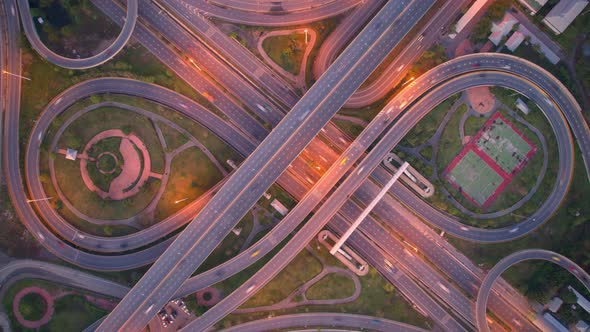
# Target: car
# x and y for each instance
(475, 65)
(250, 288)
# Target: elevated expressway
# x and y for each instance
(308, 320)
(93, 61)
(263, 167)
(33, 136)
(513, 259)
(342, 193)
(266, 16)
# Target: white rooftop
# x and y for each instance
(501, 29)
(563, 14)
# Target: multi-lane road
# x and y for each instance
(84, 63)
(513, 259)
(559, 100)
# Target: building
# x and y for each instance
(514, 41)
(554, 304)
(521, 106)
(533, 5)
(582, 326)
(554, 322)
(582, 301)
(279, 207)
(468, 16)
(71, 154)
(501, 29)
(563, 14)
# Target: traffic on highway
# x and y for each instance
(285, 137)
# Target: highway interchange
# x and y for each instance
(532, 81)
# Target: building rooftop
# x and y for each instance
(514, 41)
(501, 29)
(563, 14)
(554, 322)
(533, 5)
(554, 304)
(582, 326)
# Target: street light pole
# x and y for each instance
(305, 36)
(19, 76)
(39, 199)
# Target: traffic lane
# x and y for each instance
(409, 11)
(266, 153)
(376, 257)
(206, 60)
(349, 321)
(189, 73)
(202, 7)
(236, 55)
(85, 63)
(515, 258)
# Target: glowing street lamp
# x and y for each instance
(305, 36)
(19, 76)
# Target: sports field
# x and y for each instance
(489, 161)
(475, 178)
(504, 144)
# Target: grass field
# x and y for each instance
(287, 51)
(475, 178)
(332, 286)
(191, 174)
(503, 144)
(377, 297)
(173, 138)
(32, 306)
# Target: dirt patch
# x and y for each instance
(481, 99)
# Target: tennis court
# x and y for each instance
(474, 178)
(504, 144)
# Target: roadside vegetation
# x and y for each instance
(287, 51)
(377, 298)
(73, 28)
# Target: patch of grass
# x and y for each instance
(352, 129)
(106, 162)
(287, 51)
(73, 27)
(74, 313)
(174, 139)
(303, 268)
(32, 307)
(67, 175)
(332, 286)
(191, 175)
(426, 127)
(230, 246)
(426, 152)
(450, 141)
(377, 298)
(473, 124)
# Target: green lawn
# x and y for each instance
(287, 51)
(304, 267)
(68, 177)
(191, 175)
(173, 138)
(377, 298)
(450, 141)
(105, 163)
(73, 313)
(332, 286)
(352, 129)
(32, 307)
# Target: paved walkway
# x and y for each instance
(48, 309)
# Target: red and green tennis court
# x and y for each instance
(487, 164)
